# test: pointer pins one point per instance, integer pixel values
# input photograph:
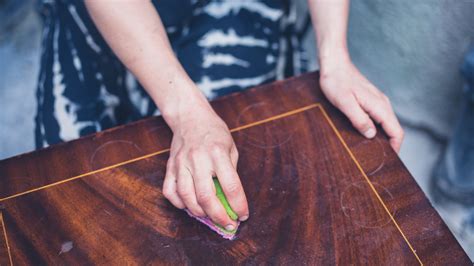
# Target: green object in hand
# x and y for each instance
(220, 194)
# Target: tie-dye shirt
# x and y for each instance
(224, 46)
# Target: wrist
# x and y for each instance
(332, 55)
(177, 96)
(186, 110)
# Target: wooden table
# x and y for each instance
(319, 193)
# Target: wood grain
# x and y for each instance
(319, 193)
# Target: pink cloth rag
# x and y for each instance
(207, 221)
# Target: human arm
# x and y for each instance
(340, 80)
(202, 145)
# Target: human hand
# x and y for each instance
(348, 90)
(202, 147)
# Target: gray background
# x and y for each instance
(410, 49)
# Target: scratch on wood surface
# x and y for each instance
(265, 141)
(112, 142)
(384, 157)
(348, 206)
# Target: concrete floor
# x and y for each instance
(384, 44)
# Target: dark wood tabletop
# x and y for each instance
(319, 193)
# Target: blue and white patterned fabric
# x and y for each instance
(224, 46)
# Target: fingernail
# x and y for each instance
(370, 133)
(229, 227)
(243, 218)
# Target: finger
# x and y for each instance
(169, 187)
(234, 156)
(186, 192)
(358, 117)
(231, 185)
(382, 113)
(206, 195)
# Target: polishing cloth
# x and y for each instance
(227, 234)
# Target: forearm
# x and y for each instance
(330, 18)
(340, 80)
(136, 34)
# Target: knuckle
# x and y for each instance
(220, 218)
(180, 158)
(235, 152)
(381, 110)
(233, 189)
(401, 134)
(363, 101)
(184, 193)
(366, 124)
(234, 155)
(216, 150)
(194, 152)
(214, 212)
(384, 98)
(204, 198)
(342, 101)
(167, 192)
(196, 210)
(361, 122)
